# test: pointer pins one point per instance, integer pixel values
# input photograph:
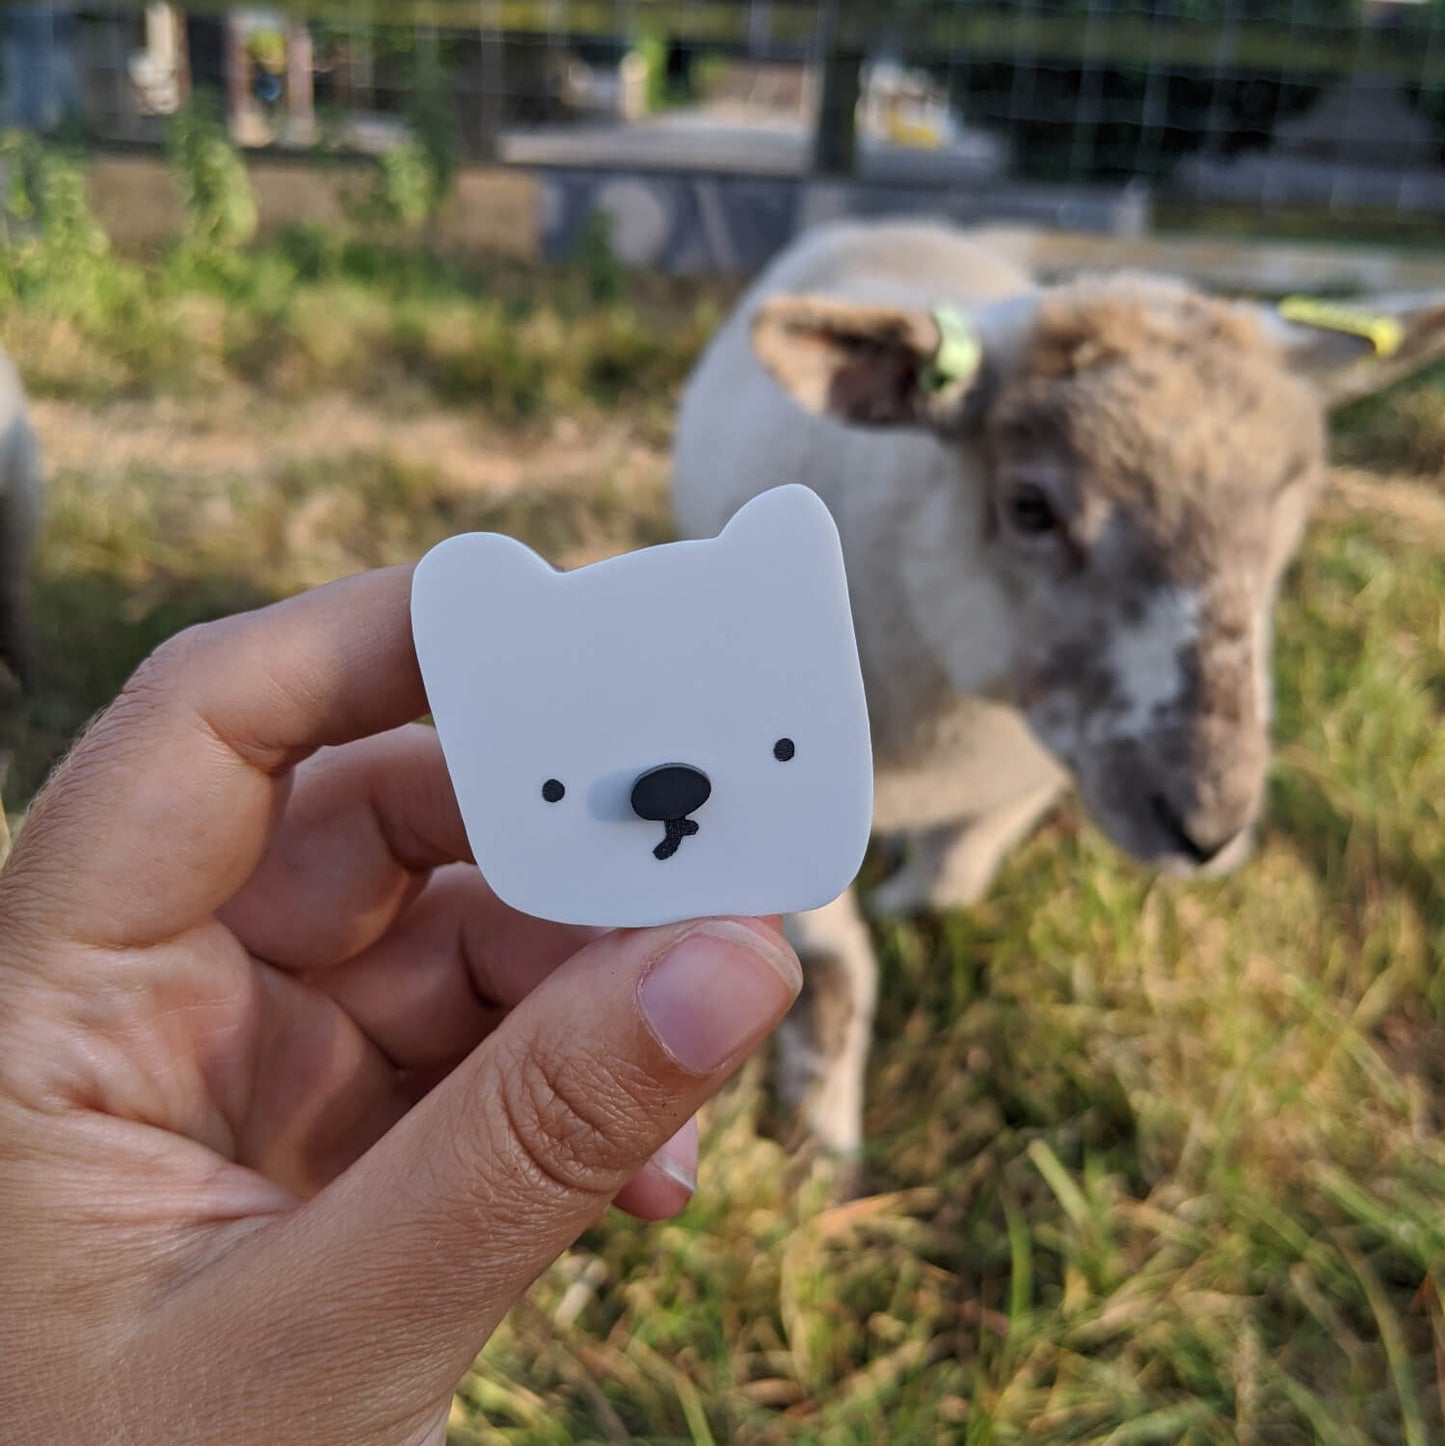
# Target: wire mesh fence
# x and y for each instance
(1328, 107)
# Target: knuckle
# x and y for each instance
(151, 688)
(568, 1120)
(62, 804)
(148, 690)
(167, 662)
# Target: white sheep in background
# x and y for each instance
(21, 498)
(1065, 532)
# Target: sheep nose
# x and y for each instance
(1198, 839)
(672, 791)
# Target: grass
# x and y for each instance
(1363, 226)
(1150, 1162)
(313, 314)
(1401, 432)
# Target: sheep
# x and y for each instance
(21, 500)
(1065, 511)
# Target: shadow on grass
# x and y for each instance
(94, 628)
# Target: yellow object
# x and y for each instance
(903, 130)
(1385, 333)
(960, 351)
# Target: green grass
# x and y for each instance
(1362, 226)
(1178, 1174)
(1150, 1162)
(312, 314)
(1402, 431)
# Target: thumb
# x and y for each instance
(408, 1262)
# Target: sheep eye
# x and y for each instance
(783, 750)
(1030, 512)
(553, 791)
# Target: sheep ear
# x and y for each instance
(871, 366)
(1352, 350)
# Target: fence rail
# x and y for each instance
(1294, 38)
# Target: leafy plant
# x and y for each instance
(415, 178)
(220, 207)
(597, 261)
(55, 248)
(652, 51)
(432, 117)
(47, 188)
(405, 191)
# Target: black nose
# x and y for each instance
(672, 791)
(1186, 841)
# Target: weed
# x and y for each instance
(415, 177)
(597, 262)
(56, 253)
(220, 208)
(1402, 431)
(405, 193)
(315, 311)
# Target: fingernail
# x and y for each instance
(717, 992)
(677, 1159)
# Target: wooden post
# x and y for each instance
(760, 26)
(300, 93)
(835, 139)
(237, 73)
(492, 106)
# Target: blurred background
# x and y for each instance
(295, 292)
(1091, 113)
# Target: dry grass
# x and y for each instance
(1150, 1162)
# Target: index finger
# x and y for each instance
(162, 810)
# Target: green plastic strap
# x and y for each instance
(959, 354)
(1385, 333)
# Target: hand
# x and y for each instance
(292, 1109)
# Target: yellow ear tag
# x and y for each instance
(1385, 333)
(959, 354)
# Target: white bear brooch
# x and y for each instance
(670, 734)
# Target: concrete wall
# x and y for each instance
(1266, 268)
(686, 221)
(492, 211)
(680, 221)
(730, 224)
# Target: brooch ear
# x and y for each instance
(474, 566)
(465, 580)
(480, 558)
(791, 523)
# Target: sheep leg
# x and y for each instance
(823, 1043)
(953, 866)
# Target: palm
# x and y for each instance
(352, 970)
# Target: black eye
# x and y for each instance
(553, 791)
(783, 749)
(1029, 511)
